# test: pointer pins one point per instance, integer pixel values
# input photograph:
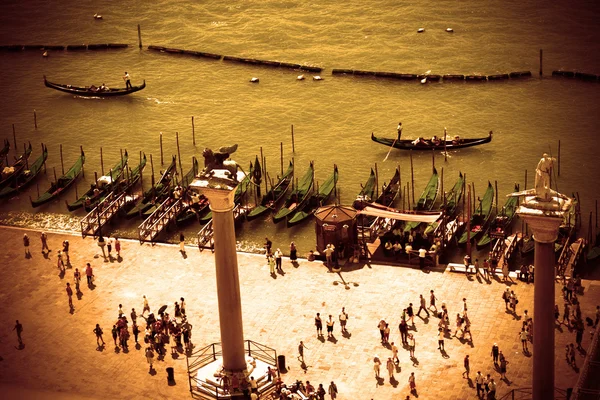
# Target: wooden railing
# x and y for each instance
(159, 219)
(92, 223)
(206, 233)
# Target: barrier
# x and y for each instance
(157, 48)
(567, 74)
(454, 77)
(33, 47)
(408, 77)
(339, 71)
(359, 72)
(586, 77)
(51, 47)
(497, 77)
(432, 78)
(76, 47)
(175, 51)
(475, 78)
(392, 75)
(289, 65)
(311, 68)
(102, 46)
(117, 45)
(520, 74)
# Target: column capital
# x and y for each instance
(544, 216)
(218, 188)
(545, 229)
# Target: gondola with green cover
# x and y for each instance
(481, 219)
(316, 200)
(9, 173)
(151, 196)
(452, 200)
(426, 200)
(273, 196)
(27, 176)
(367, 192)
(62, 183)
(298, 196)
(500, 224)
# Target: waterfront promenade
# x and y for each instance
(60, 359)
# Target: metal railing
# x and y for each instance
(526, 394)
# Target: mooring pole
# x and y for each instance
(281, 152)
(179, 153)
(162, 160)
(412, 177)
(293, 146)
(62, 164)
(541, 59)
(140, 35)
(101, 162)
(14, 137)
(558, 172)
(193, 132)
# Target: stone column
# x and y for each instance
(221, 202)
(545, 233)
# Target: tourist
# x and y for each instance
(381, 327)
(411, 314)
(506, 297)
(441, 339)
(467, 262)
(293, 253)
(386, 334)
(301, 348)
(77, 279)
(330, 326)
(114, 331)
(422, 255)
(182, 305)
(376, 366)
(321, 392)
(486, 269)
(459, 322)
(66, 251)
(479, 383)
(98, 332)
(556, 314)
(390, 368)
(319, 325)
(579, 334)
(146, 306)
(464, 306)
(572, 360)
(26, 245)
(102, 244)
(432, 300)
(308, 388)
(333, 390)
(149, 356)
(70, 294)
(523, 336)
(118, 247)
(329, 255)
(395, 353)
(343, 319)
(505, 271)
(44, 239)
(486, 384)
(495, 353)
(492, 386)
(109, 247)
(467, 367)
(19, 328)
(411, 383)
(513, 301)
(60, 264)
(136, 331)
(271, 262)
(253, 385)
(268, 245)
(278, 256)
(411, 345)
(476, 265)
(181, 243)
(503, 364)
(422, 306)
(403, 327)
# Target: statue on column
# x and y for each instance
(219, 160)
(543, 172)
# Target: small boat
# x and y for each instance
(298, 196)
(427, 199)
(452, 200)
(390, 191)
(131, 177)
(367, 192)
(156, 192)
(3, 152)
(61, 183)
(9, 174)
(500, 224)
(481, 219)
(93, 91)
(101, 187)
(316, 200)
(273, 196)
(424, 144)
(27, 176)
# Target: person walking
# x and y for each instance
(495, 353)
(98, 332)
(572, 360)
(77, 279)
(343, 319)
(432, 300)
(293, 253)
(321, 392)
(44, 239)
(133, 315)
(492, 386)
(301, 348)
(271, 262)
(403, 327)
(395, 353)
(268, 245)
(390, 368)
(181, 243)
(70, 294)
(513, 301)
(422, 306)
(120, 311)
(182, 305)
(109, 247)
(503, 364)
(329, 255)
(149, 357)
(486, 270)
(118, 247)
(89, 273)
(19, 328)
(422, 255)
(330, 324)
(411, 314)
(467, 367)
(441, 339)
(479, 380)
(65, 251)
(476, 265)
(523, 336)
(278, 255)
(26, 245)
(102, 245)
(115, 334)
(60, 264)
(376, 366)
(136, 331)
(412, 383)
(146, 305)
(333, 390)
(411, 345)
(505, 271)
(319, 325)
(506, 297)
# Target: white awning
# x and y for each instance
(387, 212)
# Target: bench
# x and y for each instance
(456, 267)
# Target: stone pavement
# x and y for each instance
(60, 359)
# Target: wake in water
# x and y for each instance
(41, 221)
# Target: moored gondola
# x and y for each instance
(273, 196)
(10, 173)
(93, 91)
(26, 176)
(61, 183)
(298, 196)
(481, 219)
(316, 200)
(426, 144)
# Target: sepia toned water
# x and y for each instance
(332, 118)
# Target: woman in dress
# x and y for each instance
(293, 253)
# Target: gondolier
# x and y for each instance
(127, 80)
(399, 128)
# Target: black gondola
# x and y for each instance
(93, 91)
(424, 144)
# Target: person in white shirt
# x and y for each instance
(422, 254)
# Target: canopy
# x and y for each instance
(388, 212)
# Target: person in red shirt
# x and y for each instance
(89, 274)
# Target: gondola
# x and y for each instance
(273, 196)
(93, 91)
(27, 176)
(424, 144)
(298, 196)
(316, 200)
(367, 192)
(481, 219)
(156, 192)
(61, 183)
(390, 191)
(427, 199)
(3, 152)
(9, 174)
(452, 200)
(500, 224)
(101, 187)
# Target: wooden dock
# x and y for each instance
(569, 257)
(92, 223)
(159, 219)
(205, 236)
(504, 248)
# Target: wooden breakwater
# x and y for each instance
(432, 77)
(242, 60)
(69, 47)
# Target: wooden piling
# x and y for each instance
(525, 187)
(179, 154)
(101, 162)
(464, 197)
(474, 198)
(412, 177)
(140, 35)
(541, 61)
(62, 163)
(432, 160)
(442, 180)
(376, 182)
(96, 177)
(558, 157)
(82, 166)
(152, 170)
(34, 119)
(469, 223)
(44, 160)
(193, 132)
(55, 178)
(38, 189)
(14, 137)
(281, 156)
(400, 180)
(162, 159)
(496, 188)
(293, 145)
(262, 161)
(445, 148)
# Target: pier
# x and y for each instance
(92, 223)
(166, 212)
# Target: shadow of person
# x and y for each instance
(346, 334)
(527, 353)
(71, 310)
(321, 338)
(79, 294)
(184, 255)
(92, 286)
(506, 380)
(46, 255)
(61, 274)
(304, 366)
(138, 346)
(274, 275)
(332, 339)
(380, 381)
(470, 383)
(152, 372)
(101, 347)
(117, 349)
(21, 346)
(414, 393)
(415, 361)
(444, 354)
(119, 258)
(394, 382)
(558, 328)
(295, 264)
(28, 255)
(387, 345)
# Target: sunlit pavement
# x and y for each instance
(60, 353)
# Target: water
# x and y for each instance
(332, 118)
